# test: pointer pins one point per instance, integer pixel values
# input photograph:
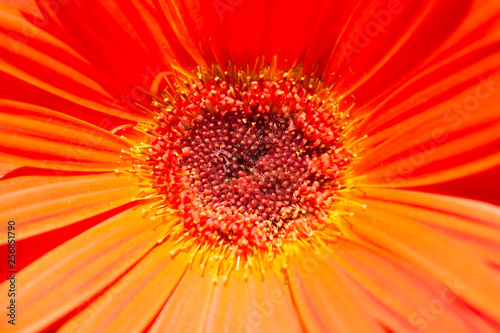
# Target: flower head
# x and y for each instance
(249, 161)
(239, 166)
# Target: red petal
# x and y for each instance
(302, 33)
(66, 81)
(438, 122)
(482, 186)
(450, 130)
(403, 39)
(122, 39)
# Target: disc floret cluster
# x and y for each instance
(248, 161)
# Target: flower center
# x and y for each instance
(251, 179)
(249, 161)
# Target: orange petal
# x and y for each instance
(65, 199)
(475, 225)
(29, 6)
(447, 259)
(325, 299)
(401, 296)
(146, 287)
(35, 136)
(71, 274)
(5, 168)
(260, 304)
(190, 300)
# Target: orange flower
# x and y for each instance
(241, 166)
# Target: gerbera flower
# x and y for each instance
(243, 166)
